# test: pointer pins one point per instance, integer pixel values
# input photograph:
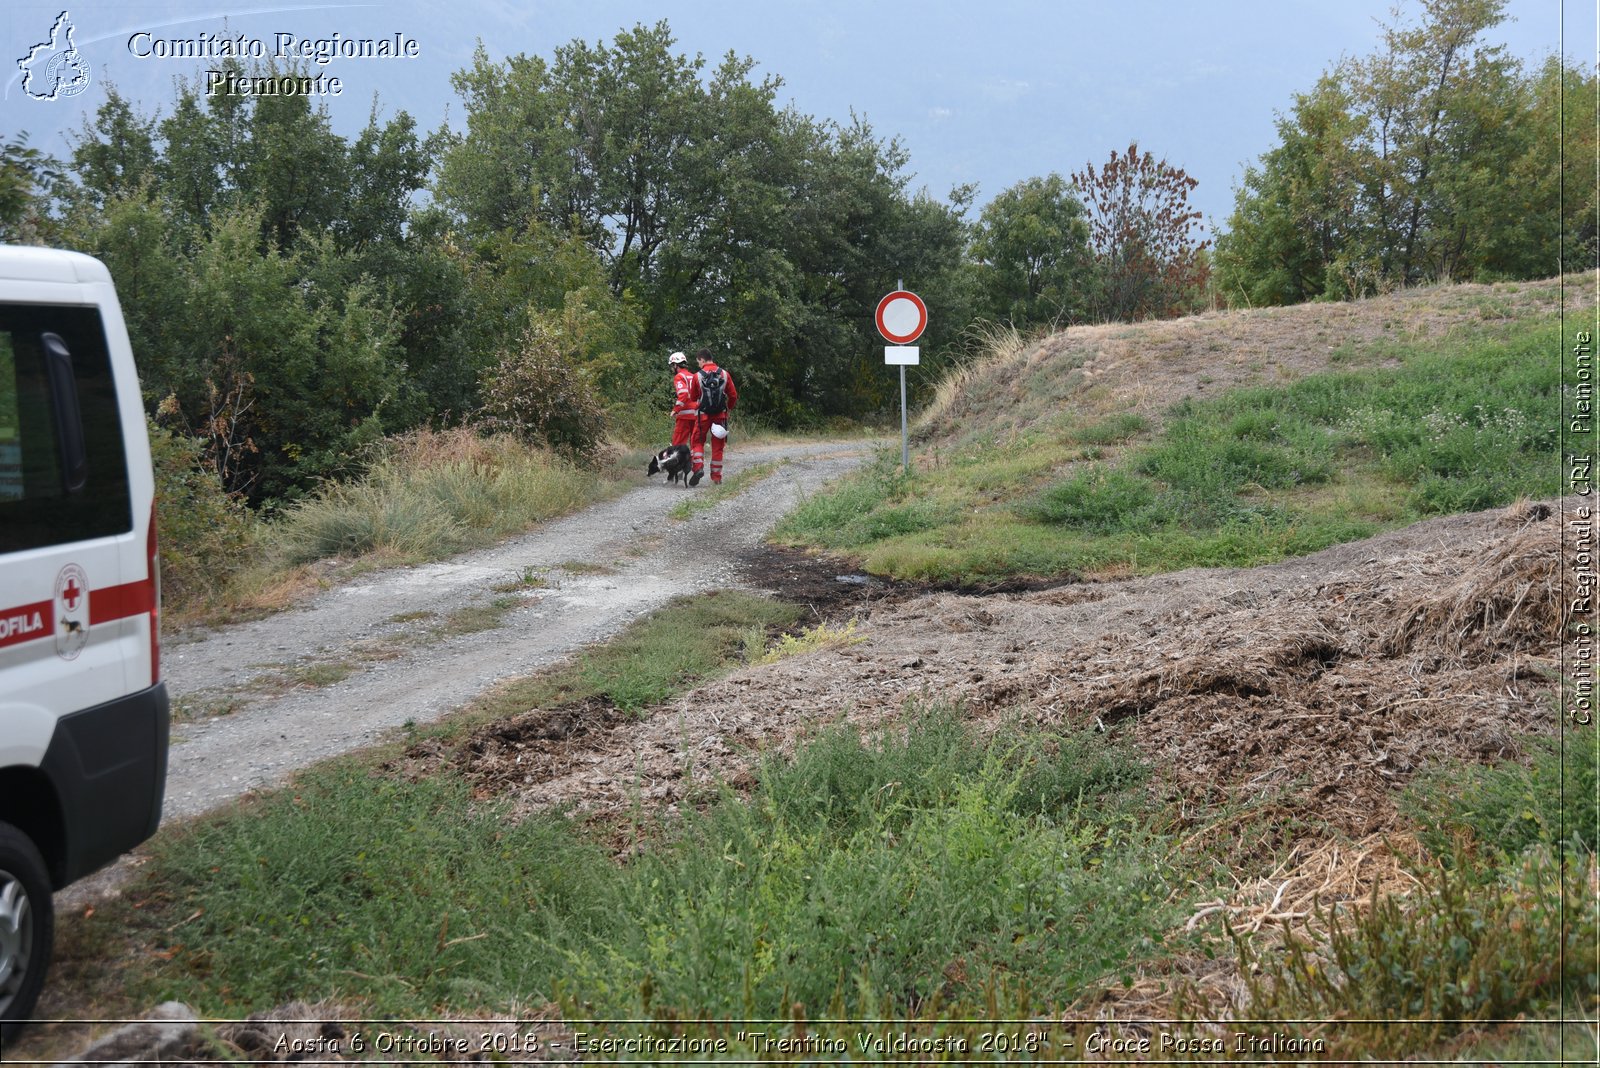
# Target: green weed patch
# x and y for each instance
(660, 656)
(1405, 973)
(1465, 812)
(919, 874)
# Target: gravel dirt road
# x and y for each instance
(259, 700)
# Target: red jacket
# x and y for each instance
(727, 387)
(686, 388)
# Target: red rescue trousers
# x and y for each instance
(697, 449)
(683, 431)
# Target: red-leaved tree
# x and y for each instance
(1149, 262)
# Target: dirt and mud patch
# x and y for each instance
(1310, 690)
(514, 754)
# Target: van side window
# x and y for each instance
(52, 420)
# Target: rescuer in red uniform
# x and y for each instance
(717, 397)
(686, 399)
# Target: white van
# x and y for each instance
(83, 710)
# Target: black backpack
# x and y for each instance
(713, 393)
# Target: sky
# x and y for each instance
(989, 93)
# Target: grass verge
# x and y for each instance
(657, 657)
(703, 500)
(427, 495)
(926, 872)
(432, 494)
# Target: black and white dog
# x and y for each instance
(674, 460)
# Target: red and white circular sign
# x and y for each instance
(902, 317)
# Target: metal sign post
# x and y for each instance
(901, 318)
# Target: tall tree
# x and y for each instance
(1294, 229)
(1435, 157)
(115, 154)
(286, 347)
(1148, 262)
(764, 234)
(1032, 247)
(27, 177)
(1435, 104)
(1543, 204)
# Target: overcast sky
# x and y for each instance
(987, 92)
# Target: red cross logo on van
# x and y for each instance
(72, 611)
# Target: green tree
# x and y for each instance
(27, 177)
(292, 166)
(491, 178)
(1435, 157)
(296, 373)
(1295, 214)
(721, 221)
(619, 143)
(1436, 101)
(286, 348)
(1032, 246)
(115, 155)
(1546, 197)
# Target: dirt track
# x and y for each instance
(599, 569)
(252, 709)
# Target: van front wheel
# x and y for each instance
(27, 924)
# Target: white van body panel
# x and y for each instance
(28, 729)
(82, 707)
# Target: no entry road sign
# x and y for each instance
(901, 317)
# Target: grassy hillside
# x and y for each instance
(1224, 439)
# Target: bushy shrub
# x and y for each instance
(1497, 945)
(540, 392)
(206, 533)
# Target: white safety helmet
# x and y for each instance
(677, 359)
(718, 430)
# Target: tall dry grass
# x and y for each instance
(432, 493)
(996, 347)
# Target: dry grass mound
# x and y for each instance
(1274, 691)
(1142, 368)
